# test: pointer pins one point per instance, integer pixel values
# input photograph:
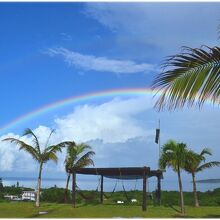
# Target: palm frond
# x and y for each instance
(85, 160)
(189, 78)
(28, 131)
(218, 31)
(49, 156)
(58, 147)
(53, 149)
(206, 151)
(62, 145)
(82, 147)
(84, 163)
(208, 165)
(173, 155)
(23, 146)
(48, 139)
(71, 155)
(192, 161)
(75, 156)
(165, 160)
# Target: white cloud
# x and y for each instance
(111, 122)
(161, 26)
(117, 17)
(65, 36)
(10, 155)
(100, 64)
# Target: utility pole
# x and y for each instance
(159, 141)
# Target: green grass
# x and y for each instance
(27, 210)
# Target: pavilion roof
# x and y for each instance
(121, 172)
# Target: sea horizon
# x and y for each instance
(91, 184)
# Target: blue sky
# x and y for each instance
(51, 51)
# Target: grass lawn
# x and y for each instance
(27, 210)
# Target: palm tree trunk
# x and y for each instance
(39, 186)
(74, 189)
(195, 191)
(66, 189)
(181, 192)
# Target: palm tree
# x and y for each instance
(78, 156)
(194, 165)
(40, 155)
(174, 155)
(188, 78)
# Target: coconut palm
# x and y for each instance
(78, 156)
(189, 78)
(194, 164)
(174, 155)
(40, 155)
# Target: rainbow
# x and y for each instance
(80, 98)
(76, 99)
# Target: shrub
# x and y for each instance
(53, 194)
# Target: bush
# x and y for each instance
(13, 190)
(168, 198)
(54, 194)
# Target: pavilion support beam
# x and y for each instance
(101, 193)
(74, 188)
(158, 190)
(144, 203)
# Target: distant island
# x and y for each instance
(209, 181)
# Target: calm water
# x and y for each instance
(92, 183)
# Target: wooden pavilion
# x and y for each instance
(121, 173)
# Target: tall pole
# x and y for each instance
(158, 178)
(159, 141)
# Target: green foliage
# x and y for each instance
(195, 162)
(173, 155)
(209, 198)
(191, 77)
(13, 190)
(168, 198)
(1, 186)
(54, 194)
(78, 156)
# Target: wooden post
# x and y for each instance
(101, 193)
(144, 204)
(74, 188)
(158, 190)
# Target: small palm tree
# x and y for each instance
(194, 165)
(40, 155)
(78, 156)
(174, 155)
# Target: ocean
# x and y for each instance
(92, 183)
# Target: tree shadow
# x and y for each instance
(175, 209)
(37, 215)
(183, 216)
(212, 216)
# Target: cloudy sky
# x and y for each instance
(52, 51)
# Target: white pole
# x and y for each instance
(159, 140)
